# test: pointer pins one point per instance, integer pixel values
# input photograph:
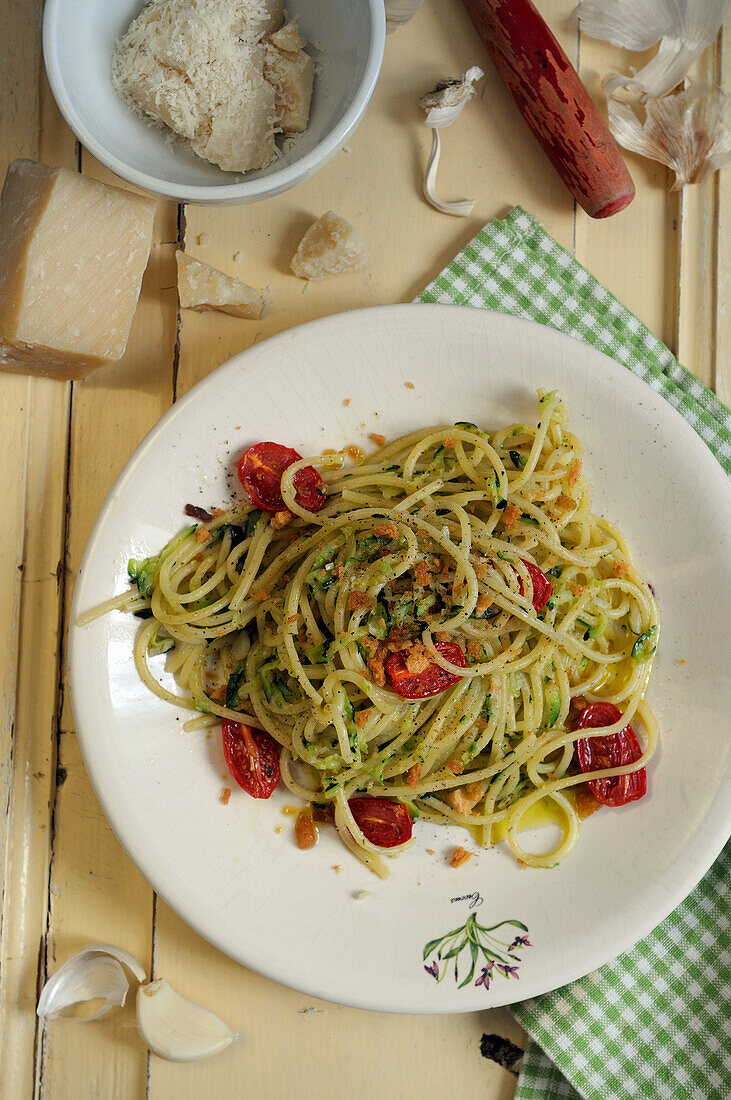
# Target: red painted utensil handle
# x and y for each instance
(554, 103)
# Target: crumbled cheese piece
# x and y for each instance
(288, 38)
(329, 247)
(291, 74)
(72, 255)
(202, 287)
(198, 67)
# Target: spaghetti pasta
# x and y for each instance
(453, 557)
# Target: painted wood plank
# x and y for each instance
(97, 894)
(700, 288)
(33, 424)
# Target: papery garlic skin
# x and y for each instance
(444, 104)
(684, 28)
(177, 1029)
(399, 12)
(94, 973)
(684, 131)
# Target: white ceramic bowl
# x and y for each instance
(78, 43)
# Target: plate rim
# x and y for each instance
(704, 850)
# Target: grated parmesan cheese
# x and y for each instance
(207, 71)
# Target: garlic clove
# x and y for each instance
(447, 100)
(444, 104)
(93, 973)
(683, 30)
(399, 12)
(177, 1029)
(684, 131)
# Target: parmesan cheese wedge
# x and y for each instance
(202, 287)
(72, 255)
(329, 247)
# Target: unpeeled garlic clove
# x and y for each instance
(684, 131)
(444, 104)
(177, 1029)
(93, 973)
(684, 30)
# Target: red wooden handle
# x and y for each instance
(554, 103)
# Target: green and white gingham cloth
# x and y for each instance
(514, 266)
(656, 1022)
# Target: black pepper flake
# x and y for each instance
(195, 512)
(502, 1051)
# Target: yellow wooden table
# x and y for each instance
(65, 879)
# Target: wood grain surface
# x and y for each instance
(64, 878)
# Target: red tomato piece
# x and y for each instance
(614, 751)
(432, 681)
(382, 821)
(260, 473)
(542, 587)
(252, 757)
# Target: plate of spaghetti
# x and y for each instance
(404, 627)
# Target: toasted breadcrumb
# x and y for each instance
(362, 717)
(460, 856)
(414, 776)
(305, 833)
(578, 589)
(261, 595)
(409, 385)
(346, 402)
(377, 438)
(218, 511)
(386, 530)
(621, 568)
(455, 767)
(281, 519)
(357, 599)
(225, 795)
(418, 658)
(202, 535)
(511, 515)
(422, 574)
(574, 471)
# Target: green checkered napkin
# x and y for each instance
(655, 1022)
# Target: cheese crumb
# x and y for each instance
(201, 287)
(329, 247)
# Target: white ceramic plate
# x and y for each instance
(288, 914)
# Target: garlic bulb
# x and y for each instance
(399, 12)
(684, 28)
(93, 973)
(177, 1029)
(444, 104)
(684, 131)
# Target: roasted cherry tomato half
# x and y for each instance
(260, 473)
(542, 588)
(252, 757)
(383, 822)
(432, 681)
(614, 751)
